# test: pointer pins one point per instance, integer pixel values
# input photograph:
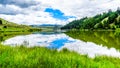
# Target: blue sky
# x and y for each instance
(56, 13)
(52, 11)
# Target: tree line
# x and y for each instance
(106, 20)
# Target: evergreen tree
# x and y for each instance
(118, 10)
(0, 22)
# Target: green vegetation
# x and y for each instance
(106, 38)
(38, 57)
(6, 26)
(109, 20)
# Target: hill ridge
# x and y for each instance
(109, 20)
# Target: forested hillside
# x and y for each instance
(106, 20)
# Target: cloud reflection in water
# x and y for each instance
(60, 41)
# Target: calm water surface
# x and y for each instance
(88, 43)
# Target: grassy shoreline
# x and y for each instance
(39, 57)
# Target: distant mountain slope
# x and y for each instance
(46, 25)
(7, 26)
(109, 20)
(7, 23)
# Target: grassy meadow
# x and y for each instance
(6, 26)
(39, 57)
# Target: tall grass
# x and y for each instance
(39, 57)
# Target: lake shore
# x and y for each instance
(90, 30)
(39, 57)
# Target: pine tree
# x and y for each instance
(0, 22)
(118, 10)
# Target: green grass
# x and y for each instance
(6, 26)
(39, 57)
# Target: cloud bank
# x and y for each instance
(62, 11)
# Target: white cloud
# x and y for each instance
(32, 12)
(32, 19)
(10, 9)
(81, 8)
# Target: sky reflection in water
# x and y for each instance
(60, 41)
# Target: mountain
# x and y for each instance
(46, 25)
(106, 20)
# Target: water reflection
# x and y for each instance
(6, 35)
(47, 40)
(90, 43)
(106, 38)
(91, 49)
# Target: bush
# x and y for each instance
(5, 27)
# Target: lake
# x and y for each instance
(91, 43)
